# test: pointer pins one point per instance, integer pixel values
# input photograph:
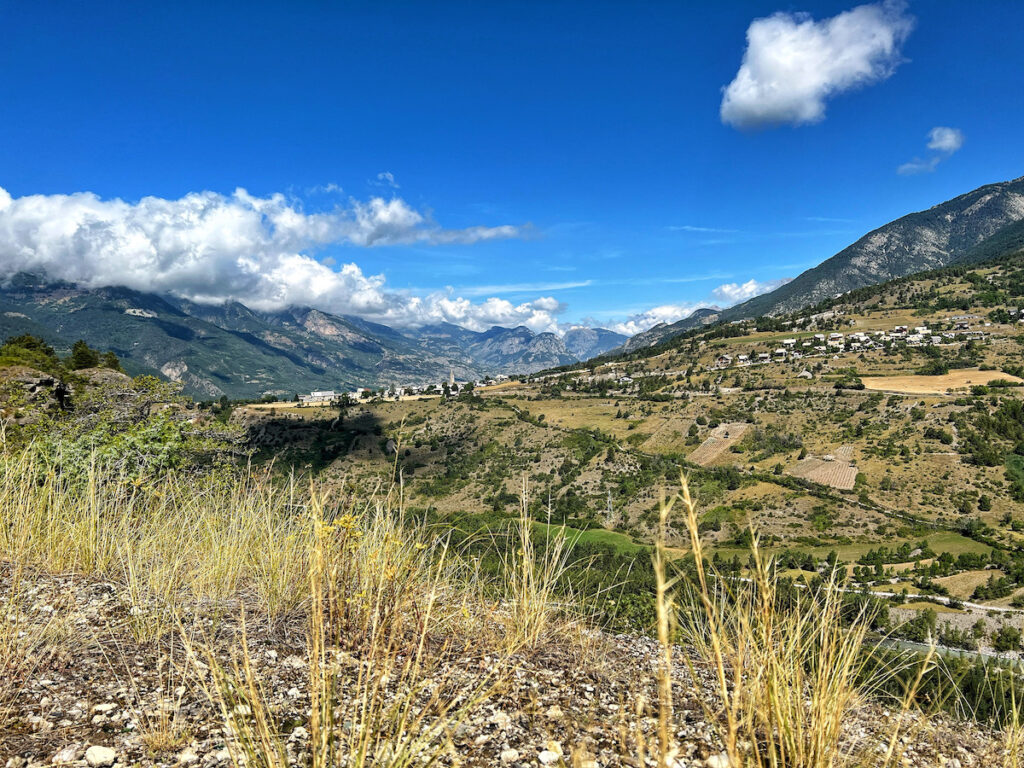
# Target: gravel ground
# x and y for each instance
(92, 696)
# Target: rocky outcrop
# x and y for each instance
(26, 393)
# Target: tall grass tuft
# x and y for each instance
(384, 613)
(539, 600)
(786, 678)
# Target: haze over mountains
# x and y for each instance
(956, 230)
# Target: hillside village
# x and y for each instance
(446, 389)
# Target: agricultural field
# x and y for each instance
(936, 385)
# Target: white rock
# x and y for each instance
(104, 709)
(188, 756)
(721, 760)
(547, 757)
(554, 711)
(100, 757)
(509, 755)
(66, 755)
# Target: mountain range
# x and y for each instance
(230, 349)
(968, 228)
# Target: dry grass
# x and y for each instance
(384, 603)
(384, 610)
(173, 541)
(935, 385)
(786, 679)
(24, 636)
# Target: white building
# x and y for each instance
(324, 397)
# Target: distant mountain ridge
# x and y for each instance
(953, 231)
(231, 349)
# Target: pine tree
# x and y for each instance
(83, 356)
(111, 361)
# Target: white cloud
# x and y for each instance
(793, 64)
(213, 248)
(386, 179)
(690, 228)
(943, 139)
(943, 142)
(484, 290)
(917, 165)
(724, 295)
(641, 321)
(734, 293)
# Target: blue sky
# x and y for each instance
(547, 163)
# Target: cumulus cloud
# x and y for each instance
(724, 295)
(944, 139)
(943, 142)
(794, 64)
(641, 321)
(212, 248)
(734, 293)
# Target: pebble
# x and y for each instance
(100, 757)
(721, 760)
(509, 755)
(66, 755)
(547, 757)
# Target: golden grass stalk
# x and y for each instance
(383, 614)
(785, 678)
(538, 598)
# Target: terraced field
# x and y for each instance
(836, 470)
(721, 439)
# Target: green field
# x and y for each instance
(620, 542)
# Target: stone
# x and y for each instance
(188, 756)
(66, 755)
(547, 757)
(555, 747)
(554, 712)
(100, 757)
(721, 760)
(509, 755)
